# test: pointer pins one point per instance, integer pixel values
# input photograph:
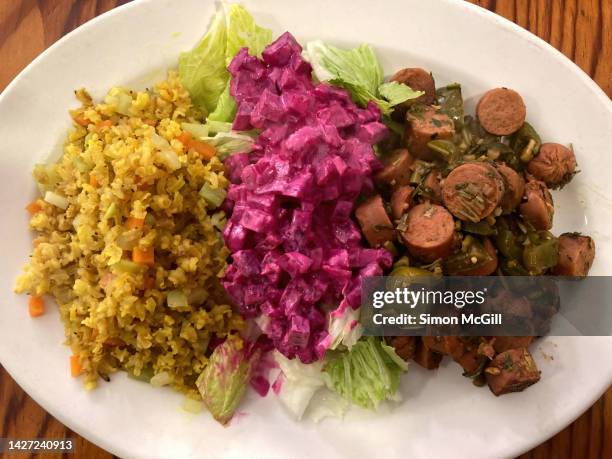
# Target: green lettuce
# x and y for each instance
(367, 374)
(358, 71)
(225, 378)
(203, 70)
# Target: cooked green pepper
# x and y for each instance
(526, 142)
(445, 149)
(472, 255)
(508, 244)
(538, 256)
(482, 228)
(145, 374)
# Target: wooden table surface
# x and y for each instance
(581, 29)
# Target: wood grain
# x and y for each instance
(581, 29)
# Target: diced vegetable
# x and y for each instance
(185, 137)
(126, 266)
(213, 196)
(93, 181)
(143, 256)
(526, 142)
(135, 223)
(34, 207)
(36, 306)
(542, 253)
(205, 150)
(177, 299)
(161, 379)
(195, 129)
(144, 375)
(56, 200)
(192, 406)
(170, 159)
(111, 211)
(75, 366)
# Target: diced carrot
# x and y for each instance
(143, 256)
(36, 242)
(205, 150)
(34, 207)
(150, 122)
(36, 306)
(75, 366)
(93, 181)
(134, 223)
(104, 124)
(185, 138)
(81, 120)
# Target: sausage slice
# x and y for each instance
(554, 165)
(419, 80)
(400, 201)
(576, 254)
(515, 187)
(538, 209)
(511, 371)
(429, 232)
(425, 357)
(397, 169)
(374, 221)
(425, 125)
(501, 111)
(472, 191)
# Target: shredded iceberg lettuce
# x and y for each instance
(203, 70)
(367, 374)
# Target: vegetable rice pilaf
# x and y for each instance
(129, 240)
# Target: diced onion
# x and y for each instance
(192, 406)
(159, 142)
(197, 129)
(56, 200)
(161, 379)
(177, 299)
(170, 159)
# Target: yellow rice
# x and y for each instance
(81, 254)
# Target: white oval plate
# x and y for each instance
(442, 414)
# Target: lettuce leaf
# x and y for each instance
(367, 374)
(203, 70)
(224, 380)
(358, 71)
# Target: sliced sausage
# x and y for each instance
(405, 346)
(554, 165)
(400, 201)
(504, 343)
(429, 232)
(425, 125)
(511, 371)
(487, 268)
(374, 221)
(472, 191)
(501, 111)
(432, 187)
(397, 169)
(419, 80)
(576, 254)
(425, 357)
(538, 208)
(515, 187)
